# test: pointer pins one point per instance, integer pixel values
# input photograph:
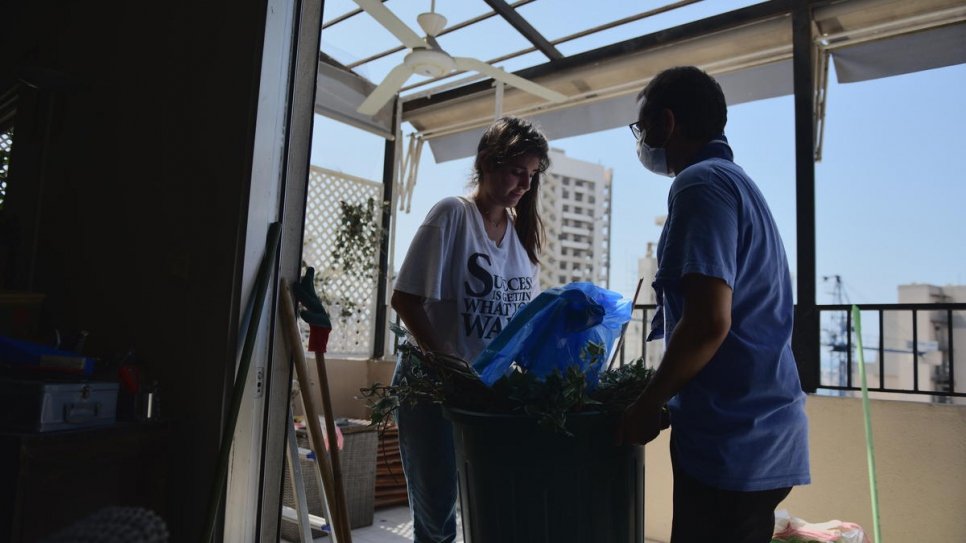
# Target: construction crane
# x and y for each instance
(837, 334)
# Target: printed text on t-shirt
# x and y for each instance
(491, 299)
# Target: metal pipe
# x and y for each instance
(915, 349)
(848, 350)
(949, 350)
(464, 24)
(807, 337)
(881, 350)
(382, 284)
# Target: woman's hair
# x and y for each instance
(506, 139)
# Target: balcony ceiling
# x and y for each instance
(747, 47)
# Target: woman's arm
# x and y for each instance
(413, 314)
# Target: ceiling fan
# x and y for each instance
(427, 58)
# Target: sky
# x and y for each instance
(890, 188)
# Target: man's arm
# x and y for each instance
(703, 327)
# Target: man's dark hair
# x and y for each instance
(693, 96)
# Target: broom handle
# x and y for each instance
(342, 507)
(333, 492)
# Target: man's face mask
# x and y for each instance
(653, 158)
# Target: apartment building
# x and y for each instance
(933, 333)
(575, 206)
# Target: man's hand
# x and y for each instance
(640, 424)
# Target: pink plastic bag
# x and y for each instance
(795, 530)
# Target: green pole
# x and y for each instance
(869, 447)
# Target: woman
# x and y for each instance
(472, 264)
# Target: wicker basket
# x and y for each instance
(358, 462)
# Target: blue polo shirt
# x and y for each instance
(740, 424)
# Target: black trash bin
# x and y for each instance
(523, 483)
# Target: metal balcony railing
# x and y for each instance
(905, 338)
(635, 338)
(898, 342)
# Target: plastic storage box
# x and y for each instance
(44, 406)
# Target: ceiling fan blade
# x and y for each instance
(383, 93)
(466, 63)
(391, 23)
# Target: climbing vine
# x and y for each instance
(357, 243)
(357, 238)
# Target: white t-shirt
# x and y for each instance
(471, 284)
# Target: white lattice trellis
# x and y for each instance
(350, 298)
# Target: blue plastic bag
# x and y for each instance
(553, 331)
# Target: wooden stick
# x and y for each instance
(336, 499)
(342, 505)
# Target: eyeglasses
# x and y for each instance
(637, 130)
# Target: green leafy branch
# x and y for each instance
(449, 381)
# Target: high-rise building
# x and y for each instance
(575, 207)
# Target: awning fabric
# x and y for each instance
(747, 85)
(752, 62)
(870, 39)
(935, 48)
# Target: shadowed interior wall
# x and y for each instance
(143, 197)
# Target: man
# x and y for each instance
(739, 439)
